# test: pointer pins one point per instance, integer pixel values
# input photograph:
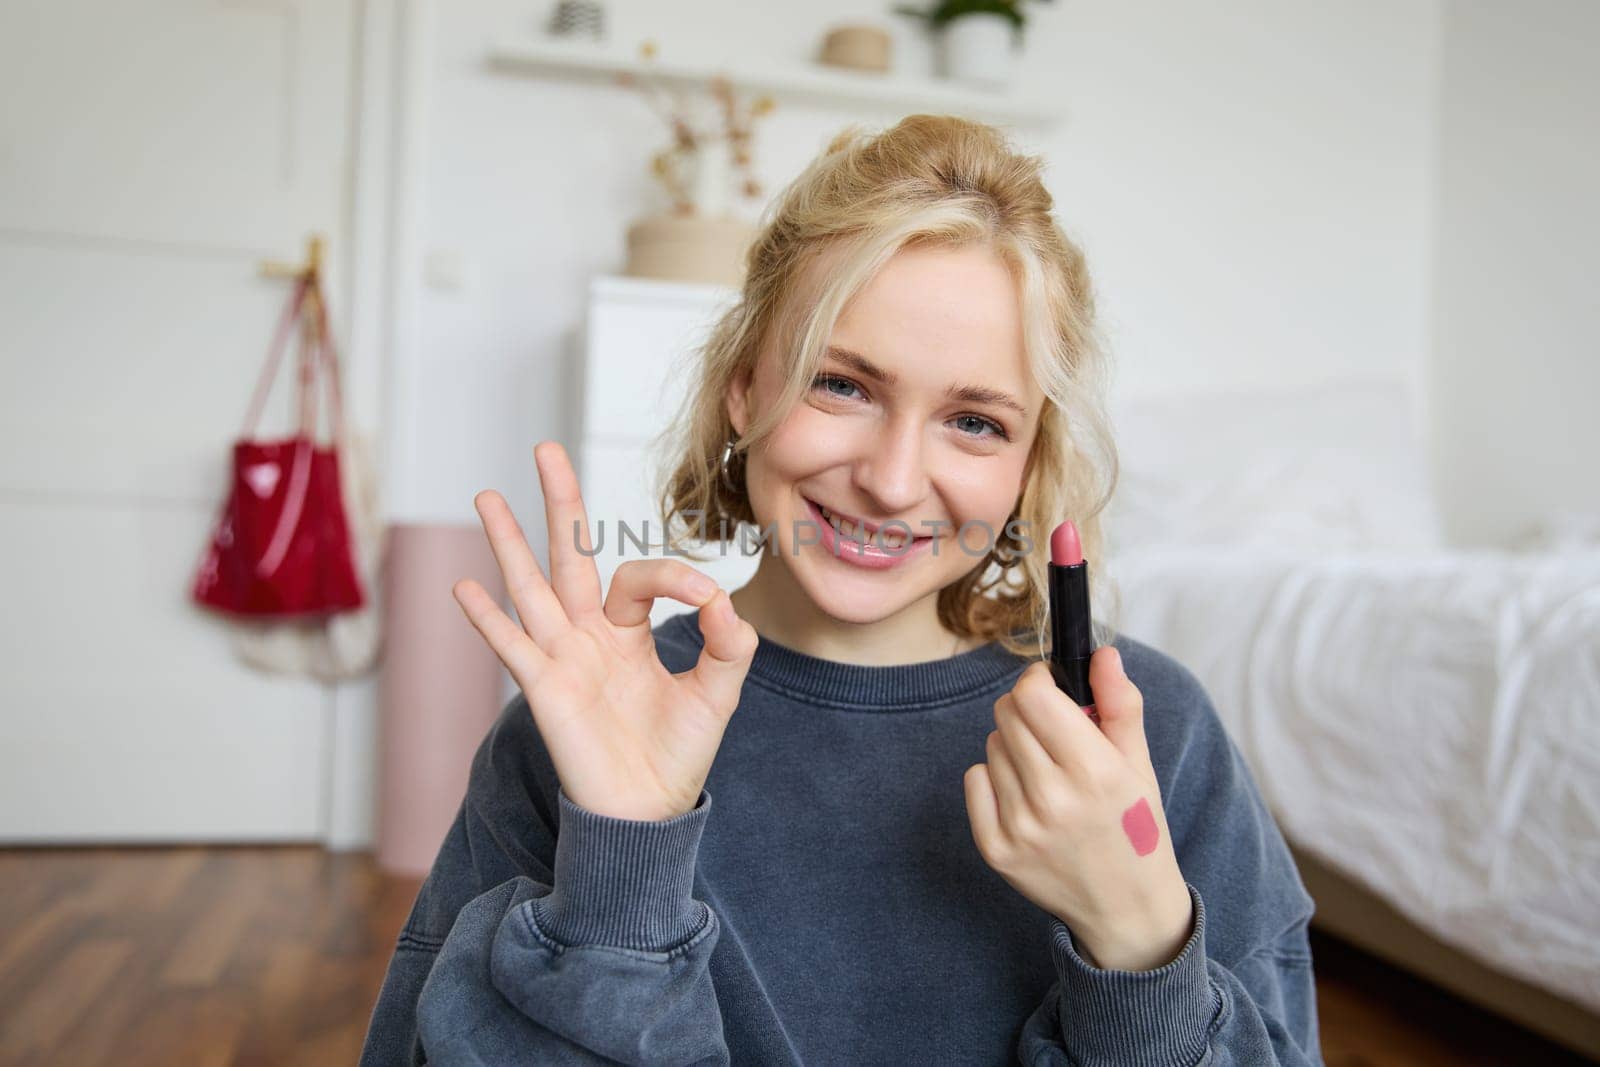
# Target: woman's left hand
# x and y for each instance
(1070, 815)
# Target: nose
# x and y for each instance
(893, 471)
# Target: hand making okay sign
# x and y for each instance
(628, 738)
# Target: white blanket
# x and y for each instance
(1428, 723)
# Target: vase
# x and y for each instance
(866, 48)
(713, 174)
(576, 19)
(689, 248)
(978, 49)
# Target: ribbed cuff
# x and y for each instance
(625, 883)
(1164, 1016)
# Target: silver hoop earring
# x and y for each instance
(727, 454)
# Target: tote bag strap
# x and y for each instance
(330, 365)
(280, 337)
(323, 354)
(317, 352)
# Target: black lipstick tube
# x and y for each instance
(1071, 632)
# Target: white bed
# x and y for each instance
(1425, 721)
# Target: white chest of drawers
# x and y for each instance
(640, 350)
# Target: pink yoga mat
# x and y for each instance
(439, 689)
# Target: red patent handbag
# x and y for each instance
(281, 547)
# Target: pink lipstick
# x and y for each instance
(1071, 633)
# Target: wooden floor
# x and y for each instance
(201, 956)
(192, 956)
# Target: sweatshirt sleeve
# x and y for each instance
(1241, 991)
(530, 946)
(1193, 1010)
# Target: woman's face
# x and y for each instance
(922, 413)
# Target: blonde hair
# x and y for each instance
(929, 180)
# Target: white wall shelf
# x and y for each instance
(816, 84)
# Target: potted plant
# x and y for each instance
(977, 38)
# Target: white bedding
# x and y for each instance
(1428, 722)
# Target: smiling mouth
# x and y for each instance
(849, 526)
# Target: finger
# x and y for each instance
(1007, 786)
(982, 808)
(1073, 742)
(730, 645)
(1033, 764)
(572, 570)
(1121, 705)
(516, 649)
(638, 582)
(536, 603)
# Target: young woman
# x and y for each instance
(922, 850)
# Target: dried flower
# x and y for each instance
(669, 164)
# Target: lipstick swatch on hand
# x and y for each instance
(1140, 825)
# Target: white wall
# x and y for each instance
(1252, 183)
(1252, 180)
(1516, 365)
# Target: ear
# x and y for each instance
(739, 401)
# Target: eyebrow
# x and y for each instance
(971, 394)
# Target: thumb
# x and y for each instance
(730, 646)
(1120, 704)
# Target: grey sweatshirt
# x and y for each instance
(830, 906)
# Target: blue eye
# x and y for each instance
(999, 431)
(828, 378)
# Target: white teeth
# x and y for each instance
(844, 526)
(888, 538)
